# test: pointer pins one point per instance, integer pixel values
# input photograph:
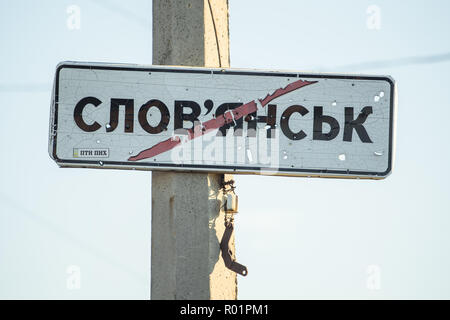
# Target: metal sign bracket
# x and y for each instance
(227, 254)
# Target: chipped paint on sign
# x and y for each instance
(215, 120)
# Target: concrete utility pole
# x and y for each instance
(187, 208)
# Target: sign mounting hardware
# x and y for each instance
(231, 209)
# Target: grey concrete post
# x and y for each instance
(187, 208)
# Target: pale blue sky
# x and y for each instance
(300, 238)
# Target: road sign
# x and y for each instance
(222, 120)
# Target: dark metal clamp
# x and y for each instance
(227, 255)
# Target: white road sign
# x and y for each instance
(222, 120)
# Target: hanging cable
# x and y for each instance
(215, 33)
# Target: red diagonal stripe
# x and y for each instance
(215, 124)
